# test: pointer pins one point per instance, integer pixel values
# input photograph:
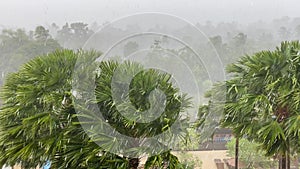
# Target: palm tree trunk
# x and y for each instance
(134, 163)
(280, 162)
(283, 162)
(288, 155)
(288, 162)
(297, 161)
(237, 153)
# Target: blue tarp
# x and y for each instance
(47, 165)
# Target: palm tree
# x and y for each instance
(32, 116)
(129, 98)
(39, 122)
(261, 101)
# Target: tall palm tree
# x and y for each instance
(127, 95)
(266, 107)
(262, 100)
(32, 115)
(39, 122)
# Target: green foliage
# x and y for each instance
(74, 35)
(210, 115)
(164, 160)
(188, 160)
(250, 154)
(38, 121)
(17, 47)
(41, 33)
(262, 100)
(264, 87)
(32, 116)
(140, 99)
(190, 141)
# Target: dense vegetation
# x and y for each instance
(38, 119)
(261, 101)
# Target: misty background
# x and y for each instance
(230, 29)
(30, 13)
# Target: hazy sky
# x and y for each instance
(29, 13)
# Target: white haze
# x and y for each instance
(30, 13)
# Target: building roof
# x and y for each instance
(223, 131)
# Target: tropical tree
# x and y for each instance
(127, 96)
(249, 154)
(73, 35)
(269, 82)
(41, 33)
(17, 47)
(209, 115)
(262, 101)
(38, 120)
(31, 115)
